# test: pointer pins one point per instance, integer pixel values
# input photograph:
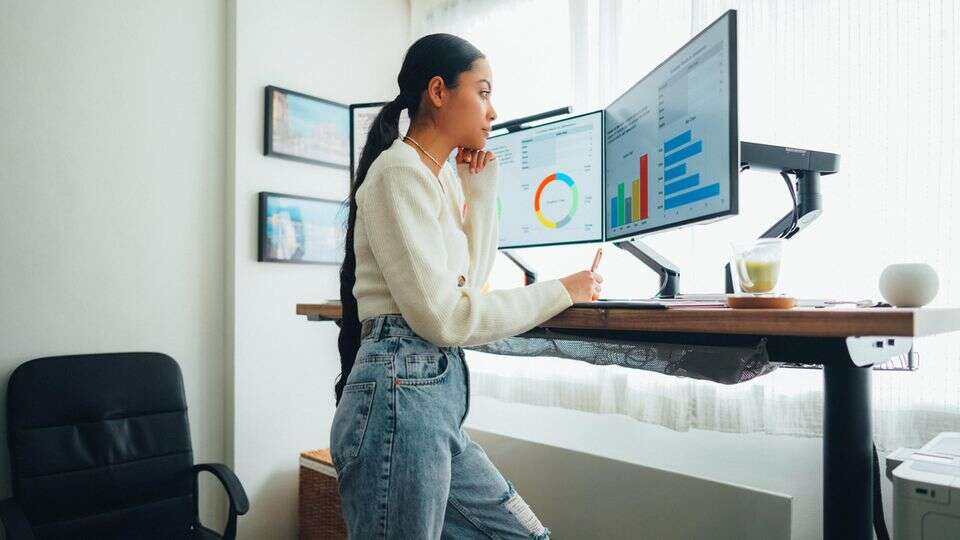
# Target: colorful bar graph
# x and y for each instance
(705, 192)
(683, 153)
(644, 188)
(677, 141)
(675, 172)
(626, 209)
(685, 183)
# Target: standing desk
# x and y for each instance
(846, 342)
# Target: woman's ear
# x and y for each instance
(437, 91)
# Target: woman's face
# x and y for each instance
(469, 113)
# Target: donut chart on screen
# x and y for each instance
(574, 198)
(550, 187)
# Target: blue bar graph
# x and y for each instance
(614, 221)
(677, 141)
(683, 153)
(680, 185)
(675, 172)
(705, 192)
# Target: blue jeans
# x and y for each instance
(406, 469)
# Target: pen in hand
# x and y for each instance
(584, 286)
(596, 260)
(593, 268)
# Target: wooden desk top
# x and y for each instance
(812, 322)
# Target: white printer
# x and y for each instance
(926, 491)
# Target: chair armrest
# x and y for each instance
(15, 521)
(238, 497)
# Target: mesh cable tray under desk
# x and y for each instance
(737, 361)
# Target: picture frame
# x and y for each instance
(297, 229)
(362, 116)
(306, 128)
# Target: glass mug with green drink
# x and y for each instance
(756, 264)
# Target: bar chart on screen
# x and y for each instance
(678, 181)
(625, 208)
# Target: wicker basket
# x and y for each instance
(320, 517)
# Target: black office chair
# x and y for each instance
(100, 448)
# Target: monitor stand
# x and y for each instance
(668, 272)
(529, 274)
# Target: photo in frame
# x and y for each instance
(295, 229)
(362, 116)
(306, 128)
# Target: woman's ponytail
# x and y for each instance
(384, 130)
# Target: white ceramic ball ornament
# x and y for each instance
(909, 284)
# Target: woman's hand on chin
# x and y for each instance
(477, 159)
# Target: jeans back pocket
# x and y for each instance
(350, 422)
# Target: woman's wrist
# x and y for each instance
(479, 185)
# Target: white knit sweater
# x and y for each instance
(413, 244)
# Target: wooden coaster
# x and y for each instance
(761, 302)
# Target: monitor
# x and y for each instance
(362, 116)
(671, 143)
(550, 188)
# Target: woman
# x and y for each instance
(421, 241)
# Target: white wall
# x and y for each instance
(112, 177)
(284, 367)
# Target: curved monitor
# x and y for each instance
(550, 190)
(671, 143)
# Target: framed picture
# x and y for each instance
(306, 128)
(362, 116)
(294, 229)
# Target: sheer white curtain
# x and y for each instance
(873, 81)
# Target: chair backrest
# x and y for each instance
(100, 445)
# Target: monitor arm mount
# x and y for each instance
(529, 273)
(669, 273)
(806, 165)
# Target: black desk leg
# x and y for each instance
(847, 452)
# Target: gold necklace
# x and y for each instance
(408, 138)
